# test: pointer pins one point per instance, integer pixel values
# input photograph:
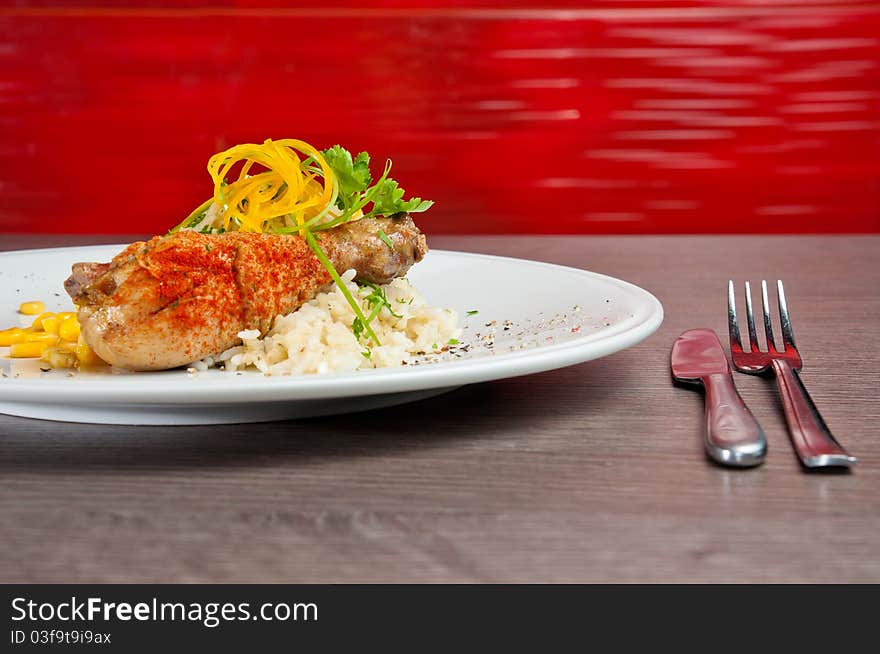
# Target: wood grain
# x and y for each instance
(593, 473)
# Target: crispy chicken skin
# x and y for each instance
(179, 298)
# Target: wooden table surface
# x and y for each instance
(593, 473)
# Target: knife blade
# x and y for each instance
(733, 436)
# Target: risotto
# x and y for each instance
(318, 337)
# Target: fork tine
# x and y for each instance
(768, 326)
(732, 321)
(750, 319)
(787, 333)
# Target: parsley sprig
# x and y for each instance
(356, 190)
(375, 300)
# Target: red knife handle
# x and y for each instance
(733, 436)
(812, 440)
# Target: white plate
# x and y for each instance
(555, 316)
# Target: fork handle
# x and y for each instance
(812, 440)
(733, 436)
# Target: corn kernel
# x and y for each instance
(69, 328)
(59, 357)
(50, 324)
(87, 356)
(32, 308)
(84, 354)
(10, 336)
(38, 321)
(26, 350)
(70, 346)
(40, 337)
(64, 315)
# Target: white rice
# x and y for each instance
(318, 337)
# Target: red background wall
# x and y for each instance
(627, 116)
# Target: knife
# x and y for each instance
(733, 436)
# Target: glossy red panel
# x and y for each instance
(687, 117)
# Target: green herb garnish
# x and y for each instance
(354, 196)
(357, 327)
(353, 175)
(376, 300)
(384, 238)
(472, 312)
(310, 239)
(388, 200)
(355, 192)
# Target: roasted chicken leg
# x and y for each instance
(179, 298)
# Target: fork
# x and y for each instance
(812, 440)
